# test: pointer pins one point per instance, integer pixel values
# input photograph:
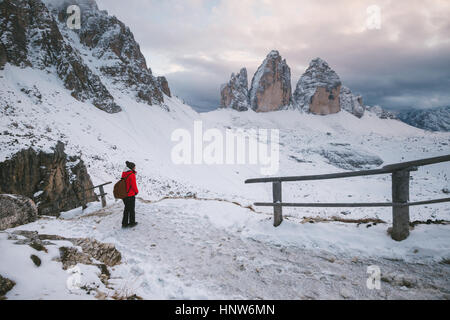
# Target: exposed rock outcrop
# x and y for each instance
(234, 94)
(53, 180)
(380, 112)
(271, 85)
(113, 44)
(85, 251)
(16, 210)
(318, 89)
(5, 286)
(163, 85)
(350, 102)
(345, 156)
(35, 34)
(31, 37)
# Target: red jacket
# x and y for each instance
(131, 182)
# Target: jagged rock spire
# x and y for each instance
(271, 85)
(234, 94)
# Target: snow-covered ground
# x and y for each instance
(200, 249)
(207, 249)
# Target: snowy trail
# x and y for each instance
(175, 252)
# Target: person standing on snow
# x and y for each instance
(129, 174)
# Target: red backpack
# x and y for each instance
(120, 188)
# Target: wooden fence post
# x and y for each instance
(277, 210)
(102, 195)
(400, 214)
(84, 202)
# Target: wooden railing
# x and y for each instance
(400, 192)
(102, 194)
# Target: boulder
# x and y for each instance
(271, 85)
(5, 286)
(16, 210)
(53, 180)
(318, 89)
(350, 102)
(234, 94)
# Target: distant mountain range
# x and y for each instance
(434, 119)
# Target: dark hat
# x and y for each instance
(130, 165)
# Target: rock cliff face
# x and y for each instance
(35, 34)
(271, 85)
(351, 103)
(53, 180)
(16, 210)
(318, 89)
(164, 86)
(112, 44)
(234, 94)
(31, 38)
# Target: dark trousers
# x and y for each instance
(128, 212)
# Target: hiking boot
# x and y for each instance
(125, 226)
(131, 225)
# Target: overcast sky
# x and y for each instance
(401, 62)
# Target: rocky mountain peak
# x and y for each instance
(320, 91)
(234, 94)
(271, 85)
(35, 34)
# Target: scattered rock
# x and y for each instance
(399, 280)
(16, 210)
(104, 252)
(5, 286)
(38, 246)
(70, 256)
(36, 260)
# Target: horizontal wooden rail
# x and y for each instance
(410, 166)
(349, 205)
(100, 185)
(400, 192)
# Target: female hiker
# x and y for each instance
(129, 174)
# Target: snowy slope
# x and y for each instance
(142, 134)
(196, 249)
(208, 249)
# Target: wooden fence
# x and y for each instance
(400, 192)
(102, 194)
